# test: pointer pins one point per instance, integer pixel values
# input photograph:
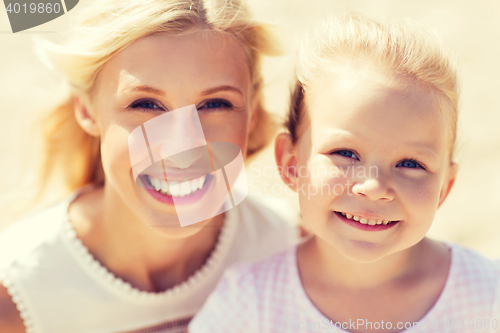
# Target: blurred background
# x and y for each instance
(471, 28)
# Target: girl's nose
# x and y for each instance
(373, 189)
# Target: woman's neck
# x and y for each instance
(134, 251)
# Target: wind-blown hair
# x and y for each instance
(401, 48)
(106, 27)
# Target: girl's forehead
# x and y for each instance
(376, 109)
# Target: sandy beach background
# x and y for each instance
(471, 28)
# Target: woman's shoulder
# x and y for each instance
(263, 227)
(10, 319)
(25, 235)
(268, 214)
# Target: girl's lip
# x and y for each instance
(188, 199)
(366, 227)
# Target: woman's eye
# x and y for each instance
(146, 106)
(409, 164)
(214, 104)
(346, 153)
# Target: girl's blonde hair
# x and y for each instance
(105, 28)
(401, 48)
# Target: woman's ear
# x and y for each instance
(449, 181)
(255, 112)
(286, 159)
(84, 116)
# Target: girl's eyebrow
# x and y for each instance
(422, 148)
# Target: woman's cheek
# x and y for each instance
(115, 153)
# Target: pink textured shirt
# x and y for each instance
(268, 297)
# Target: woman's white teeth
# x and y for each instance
(364, 220)
(177, 189)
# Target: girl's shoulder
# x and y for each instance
(245, 290)
(473, 283)
(471, 264)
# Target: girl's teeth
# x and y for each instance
(364, 220)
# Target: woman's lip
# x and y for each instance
(366, 227)
(177, 177)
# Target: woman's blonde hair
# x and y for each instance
(105, 28)
(401, 48)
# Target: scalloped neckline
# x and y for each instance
(118, 285)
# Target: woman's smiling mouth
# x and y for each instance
(177, 189)
(178, 192)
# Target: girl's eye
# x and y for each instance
(346, 153)
(146, 106)
(215, 104)
(412, 164)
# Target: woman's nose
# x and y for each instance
(374, 189)
(184, 159)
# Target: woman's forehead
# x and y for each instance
(188, 61)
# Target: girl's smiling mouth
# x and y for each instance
(364, 223)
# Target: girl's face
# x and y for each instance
(157, 74)
(376, 153)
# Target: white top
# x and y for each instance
(58, 287)
(268, 297)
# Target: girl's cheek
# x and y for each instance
(420, 197)
(325, 178)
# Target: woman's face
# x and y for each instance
(161, 73)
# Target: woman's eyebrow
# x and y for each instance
(221, 88)
(142, 88)
(152, 90)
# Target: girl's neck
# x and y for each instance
(333, 268)
(134, 251)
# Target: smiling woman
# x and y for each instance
(103, 261)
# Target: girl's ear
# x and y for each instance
(84, 117)
(449, 181)
(286, 159)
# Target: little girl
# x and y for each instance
(371, 133)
